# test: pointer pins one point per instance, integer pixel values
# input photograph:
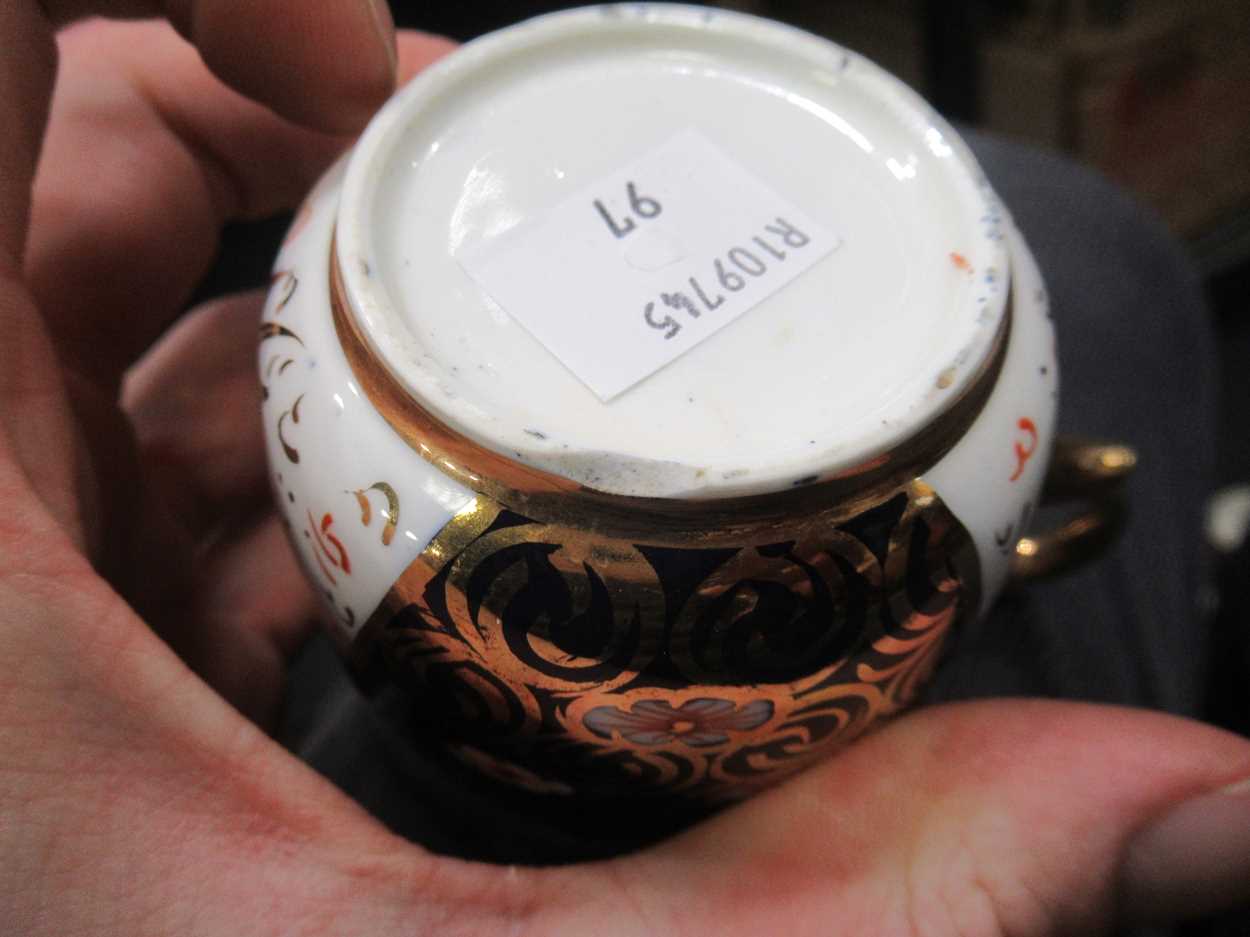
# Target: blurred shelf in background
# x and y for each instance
(1154, 94)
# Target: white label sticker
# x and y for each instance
(635, 270)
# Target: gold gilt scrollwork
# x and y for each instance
(618, 644)
(607, 666)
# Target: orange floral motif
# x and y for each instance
(698, 722)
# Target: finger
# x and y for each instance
(147, 805)
(146, 156)
(43, 444)
(38, 441)
(239, 617)
(244, 607)
(194, 400)
(327, 65)
(234, 610)
(27, 70)
(989, 818)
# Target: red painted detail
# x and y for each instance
(322, 563)
(960, 262)
(342, 561)
(1025, 450)
(334, 551)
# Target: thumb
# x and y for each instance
(989, 818)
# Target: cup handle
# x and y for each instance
(1080, 471)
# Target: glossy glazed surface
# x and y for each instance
(335, 463)
(840, 365)
(787, 640)
(345, 447)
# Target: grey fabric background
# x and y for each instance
(1137, 364)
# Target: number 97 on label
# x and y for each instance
(641, 207)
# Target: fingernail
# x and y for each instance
(385, 25)
(1193, 860)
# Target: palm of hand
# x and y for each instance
(135, 799)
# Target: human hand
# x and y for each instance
(148, 600)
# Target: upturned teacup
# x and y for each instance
(652, 390)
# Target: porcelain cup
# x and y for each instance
(652, 390)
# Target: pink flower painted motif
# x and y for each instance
(698, 722)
